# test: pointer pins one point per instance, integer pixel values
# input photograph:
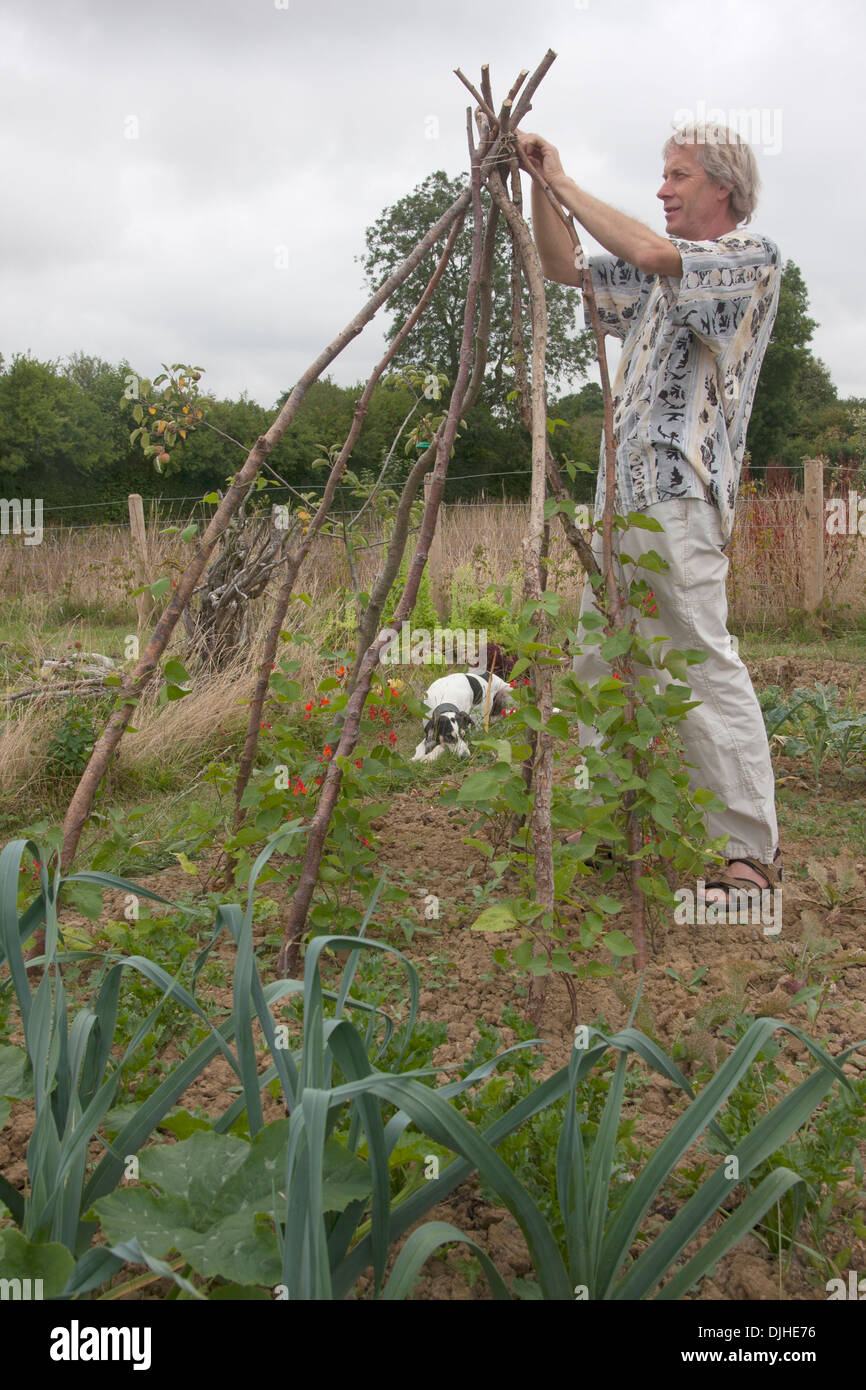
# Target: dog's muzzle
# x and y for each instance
(442, 727)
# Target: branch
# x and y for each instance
(523, 104)
(541, 831)
(614, 598)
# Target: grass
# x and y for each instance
(831, 825)
(849, 647)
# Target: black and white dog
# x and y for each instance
(456, 703)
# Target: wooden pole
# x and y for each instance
(813, 567)
(535, 409)
(143, 602)
(434, 559)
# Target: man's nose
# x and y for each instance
(664, 191)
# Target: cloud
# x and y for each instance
(157, 156)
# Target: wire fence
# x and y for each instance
(169, 509)
(159, 504)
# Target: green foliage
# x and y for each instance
(47, 420)
(304, 1205)
(165, 411)
(294, 750)
(71, 742)
(532, 1150)
(578, 433)
(823, 1152)
(479, 613)
(788, 368)
(436, 337)
(68, 1067)
(813, 723)
(638, 770)
(424, 613)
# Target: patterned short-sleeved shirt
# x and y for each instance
(692, 350)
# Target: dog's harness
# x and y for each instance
(445, 709)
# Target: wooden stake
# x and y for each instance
(534, 584)
(144, 601)
(813, 567)
(434, 562)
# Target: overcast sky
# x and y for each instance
(190, 180)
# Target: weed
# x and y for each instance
(71, 742)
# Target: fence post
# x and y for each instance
(813, 566)
(143, 602)
(434, 559)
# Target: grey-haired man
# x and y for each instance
(694, 312)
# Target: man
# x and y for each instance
(694, 311)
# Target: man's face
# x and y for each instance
(696, 207)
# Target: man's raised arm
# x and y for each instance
(622, 236)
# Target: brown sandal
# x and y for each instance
(728, 881)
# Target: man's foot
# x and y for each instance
(739, 874)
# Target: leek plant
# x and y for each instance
(67, 1068)
(306, 1208)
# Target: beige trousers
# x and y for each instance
(724, 737)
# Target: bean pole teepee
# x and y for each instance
(495, 160)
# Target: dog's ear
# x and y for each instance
(464, 722)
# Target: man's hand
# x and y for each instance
(619, 234)
(541, 156)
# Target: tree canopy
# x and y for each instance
(64, 425)
(796, 410)
(434, 343)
